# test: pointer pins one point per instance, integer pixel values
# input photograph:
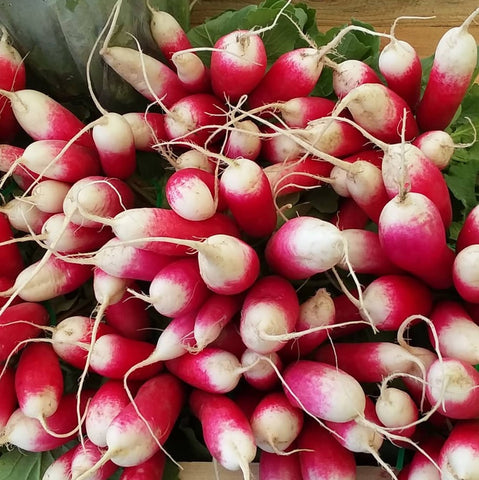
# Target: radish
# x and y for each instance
(261, 370)
(39, 395)
(299, 111)
(230, 340)
(151, 469)
(60, 468)
(351, 73)
(226, 430)
(368, 361)
(193, 158)
(456, 331)
(10, 255)
(322, 457)
(279, 467)
(22, 175)
(178, 288)
(270, 310)
(28, 433)
(380, 111)
(458, 455)
(464, 273)
(248, 194)
(276, 423)
(401, 67)
(437, 145)
(324, 391)
(43, 118)
(148, 129)
(48, 195)
(349, 215)
(212, 370)
(238, 64)
(412, 234)
(304, 246)
(24, 216)
(85, 456)
(106, 404)
(452, 387)
(278, 146)
(420, 466)
(8, 397)
(192, 72)
(455, 59)
(18, 323)
(469, 233)
(243, 141)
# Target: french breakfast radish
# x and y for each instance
(261, 370)
(351, 73)
(437, 145)
(148, 129)
(299, 111)
(464, 273)
(150, 469)
(193, 74)
(243, 141)
(469, 232)
(85, 456)
(279, 467)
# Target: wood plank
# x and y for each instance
(422, 34)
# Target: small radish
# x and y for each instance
(278, 147)
(243, 141)
(469, 233)
(192, 72)
(261, 370)
(455, 60)
(148, 129)
(86, 455)
(238, 63)
(298, 112)
(279, 467)
(21, 174)
(226, 430)
(464, 273)
(24, 216)
(60, 468)
(437, 145)
(304, 246)
(48, 195)
(349, 215)
(270, 310)
(193, 158)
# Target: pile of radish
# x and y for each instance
(309, 343)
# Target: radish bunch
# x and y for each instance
(273, 331)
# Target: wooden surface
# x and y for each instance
(422, 34)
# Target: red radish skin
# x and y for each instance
(259, 370)
(6, 283)
(298, 112)
(51, 159)
(278, 147)
(85, 456)
(43, 118)
(270, 310)
(106, 404)
(455, 59)
(60, 468)
(412, 234)
(148, 129)
(248, 194)
(350, 74)
(151, 469)
(401, 67)
(464, 273)
(437, 145)
(380, 111)
(279, 467)
(243, 141)
(10, 255)
(140, 223)
(304, 246)
(211, 370)
(192, 72)
(161, 81)
(21, 174)
(452, 385)
(456, 331)
(238, 64)
(216, 311)
(349, 215)
(39, 381)
(469, 233)
(421, 467)
(230, 340)
(8, 397)
(28, 433)
(178, 288)
(226, 430)
(367, 361)
(194, 118)
(276, 423)
(322, 457)
(14, 330)
(324, 391)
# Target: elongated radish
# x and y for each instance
(324, 391)
(380, 111)
(85, 456)
(215, 312)
(106, 404)
(21, 174)
(238, 63)
(248, 195)
(351, 73)
(456, 331)
(367, 361)
(270, 309)
(193, 74)
(455, 59)
(48, 195)
(150, 469)
(437, 145)
(261, 370)
(24, 216)
(276, 423)
(279, 467)
(243, 141)
(148, 129)
(464, 273)
(10, 254)
(43, 118)
(298, 112)
(226, 430)
(28, 433)
(14, 328)
(38, 394)
(412, 234)
(451, 384)
(322, 457)
(304, 246)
